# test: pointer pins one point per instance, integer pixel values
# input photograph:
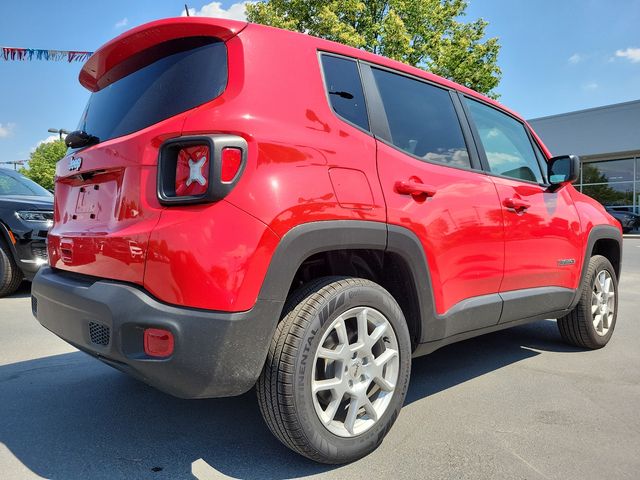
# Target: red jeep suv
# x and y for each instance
(243, 205)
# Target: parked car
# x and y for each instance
(628, 220)
(26, 214)
(307, 217)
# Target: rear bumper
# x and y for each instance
(216, 354)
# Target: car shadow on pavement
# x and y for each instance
(69, 416)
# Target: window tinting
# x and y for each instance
(422, 119)
(168, 79)
(506, 143)
(343, 85)
(21, 186)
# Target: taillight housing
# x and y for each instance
(199, 169)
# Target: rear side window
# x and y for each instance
(422, 119)
(506, 143)
(161, 82)
(344, 88)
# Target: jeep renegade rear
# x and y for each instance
(245, 206)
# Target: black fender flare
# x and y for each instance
(305, 240)
(597, 232)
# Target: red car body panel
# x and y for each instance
(215, 256)
(463, 240)
(535, 241)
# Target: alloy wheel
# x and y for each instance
(355, 371)
(602, 302)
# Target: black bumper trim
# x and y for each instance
(217, 354)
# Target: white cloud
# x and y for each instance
(590, 87)
(575, 58)
(122, 23)
(631, 54)
(214, 9)
(6, 129)
(50, 138)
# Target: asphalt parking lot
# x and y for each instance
(513, 404)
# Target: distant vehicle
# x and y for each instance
(26, 214)
(628, 220)
(243, 205)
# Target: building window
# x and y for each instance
(613, 183)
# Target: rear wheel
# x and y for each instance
(10, 275)
(590, 324)
(337, 370)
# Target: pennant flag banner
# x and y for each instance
(25, 54)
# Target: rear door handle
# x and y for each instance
(411, 187)
(520, 206)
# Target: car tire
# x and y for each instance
(320, 339)
(10, 275)
(591, 323)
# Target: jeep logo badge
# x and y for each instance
(75, 163)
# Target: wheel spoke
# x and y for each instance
(332, 409)
(386, 356)
(380, 363)
(597, 322)
(595, 303)
(330, 354)
(371, 410)
(322, 385)
(598, 284)
(377, 334)
(384, 384)
(363, 327)
(352, 414)
(341, 331)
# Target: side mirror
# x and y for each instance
(563, 169)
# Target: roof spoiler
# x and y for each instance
(145, 36)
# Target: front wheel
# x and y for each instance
(337, 371)
(590, 324)
(10, 275)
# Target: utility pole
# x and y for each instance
(15, 163)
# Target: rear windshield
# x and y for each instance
(156, 84)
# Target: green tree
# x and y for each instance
(42, 163)
(425, 33)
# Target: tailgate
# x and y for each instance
(105, 211)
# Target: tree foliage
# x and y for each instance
(425, 33)
(42, 163)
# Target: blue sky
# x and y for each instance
(557, 55)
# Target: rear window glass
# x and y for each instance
(422, 119)
(168, 79)
(344, 88)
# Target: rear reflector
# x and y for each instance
(158, 342)
(231, 161)
(192, 171)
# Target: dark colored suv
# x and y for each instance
(26, 214)
(243, 205)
